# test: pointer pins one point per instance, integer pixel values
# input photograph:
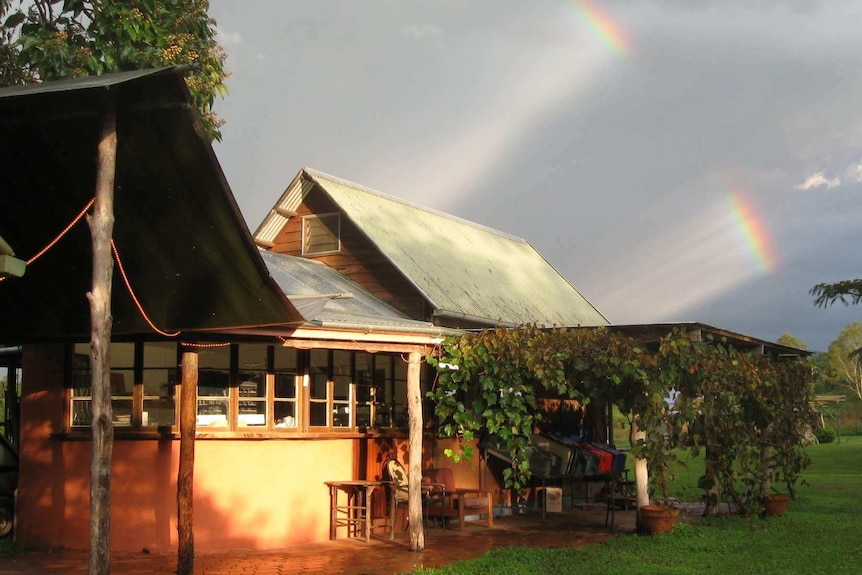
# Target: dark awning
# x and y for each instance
(184, 245)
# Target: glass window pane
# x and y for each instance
(252, 413)
(160, 354)
(318, 414)
(122, 382)
(122, 409)
(252, 356)
(318, 373)
(81, 372)
(341, 415)
(285, 386)
(341, 369)
(399, 394)
(122, 355)
(160, 382)
(363, 415)
(214, 357)
(285, 414)
(285, 359)
(159, 412)
(81, 412)
(213, 386)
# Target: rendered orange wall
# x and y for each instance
(259, 494)
(249, 494)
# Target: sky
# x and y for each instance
(675, 160)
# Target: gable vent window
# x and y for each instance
(321, 234)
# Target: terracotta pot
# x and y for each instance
(658, 518)
(775, 505)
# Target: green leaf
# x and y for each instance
(14, 19)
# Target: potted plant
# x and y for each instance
(657, 423)
(775, 504)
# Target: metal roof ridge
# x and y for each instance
(90, 82)
(317, 175)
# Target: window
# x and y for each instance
(214, 386)
(159, 384)
(143, 379)
(284, 398)
(252, 385)
(321, 234)
(365, 389)
(249, 386)
(318, 387)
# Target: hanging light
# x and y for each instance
(10, 266)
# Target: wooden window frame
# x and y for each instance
(306, 230)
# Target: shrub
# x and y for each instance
(825, 435)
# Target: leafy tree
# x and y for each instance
(49, 39)
(848, 292)
(844, 365)
(748, 412)
(791, 340)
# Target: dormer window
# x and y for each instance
(321, 234)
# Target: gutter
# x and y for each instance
(446, 314)
(434, 331)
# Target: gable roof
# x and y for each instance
(461, 268)
(185, 247)
(325, 297)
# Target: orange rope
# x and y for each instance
(61, 234)
(132, 293)
(77, 218)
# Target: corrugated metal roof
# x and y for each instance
(461, 267)
(308, 283)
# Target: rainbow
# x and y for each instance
(752, 233)
(603, 26)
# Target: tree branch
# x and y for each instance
(848, 292)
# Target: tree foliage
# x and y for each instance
(848, 292)
(52, 39)
(844, 364)
(701, 396)
(791, 340)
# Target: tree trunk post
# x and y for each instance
(101, 224)
(641, 469)
(414, 472)
(711, 472)
(766, 453)
(185, 475)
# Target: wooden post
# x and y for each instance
(101, 224)
(766, 454)
(186, 473)
(414, 472)
(641, 469)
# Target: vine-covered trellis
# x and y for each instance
(746, 413)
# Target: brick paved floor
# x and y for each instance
(350, 557)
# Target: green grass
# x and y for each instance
(819, 534)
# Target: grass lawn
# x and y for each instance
(820, 533)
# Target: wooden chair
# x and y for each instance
(393, 471)
(447, 500)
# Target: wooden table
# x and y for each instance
(355, 513)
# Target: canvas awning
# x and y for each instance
(184, 245)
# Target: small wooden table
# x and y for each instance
(355, 514)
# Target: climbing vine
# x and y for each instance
(703, 396)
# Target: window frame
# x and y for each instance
(79, 372)
(322, 221)
(366, 409)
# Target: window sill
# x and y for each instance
(126, 434)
